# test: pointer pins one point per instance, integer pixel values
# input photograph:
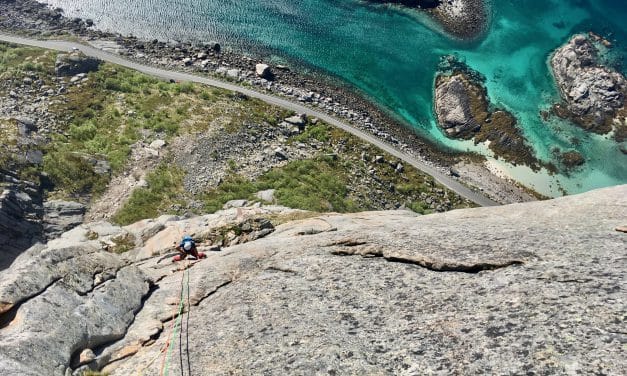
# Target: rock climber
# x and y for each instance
(187, 247)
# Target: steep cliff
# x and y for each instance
(525, 288)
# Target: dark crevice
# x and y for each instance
(434, 266)
(8, 316)
(460, 268)
(313, 231)
(350, 243)
(212, 292)
(280, 269)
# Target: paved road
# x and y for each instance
(443, 179)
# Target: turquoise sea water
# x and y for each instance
(391, 55)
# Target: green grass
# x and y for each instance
(315, 184)
(16, 61)
(73, 171)
(164, 190)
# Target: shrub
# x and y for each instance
(164, 185)
(73, 173)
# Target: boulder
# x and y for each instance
(267, 195)
(235, 204)
(299, 120)
(158, 144)
(264, 71)
(74, 63)
(62, 216)
(86, 356)
(26, 126)
(280, 154)
(233, 73)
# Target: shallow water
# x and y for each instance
(392, 56)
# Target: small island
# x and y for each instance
(464, 112)
(463, 19)
(594, 95)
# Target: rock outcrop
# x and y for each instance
(465, 19)
(595, 95)
(59, 299)
(61, 216)
(525, 288)
(463, 111)
(453, 97)
(75, 63)
(20, 216)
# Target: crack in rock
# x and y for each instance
(8, 311)
(354, 248)
(280, 269)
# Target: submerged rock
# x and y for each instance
(595, 95)
(572, 159)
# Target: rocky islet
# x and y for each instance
(595, 95)
(463, 111)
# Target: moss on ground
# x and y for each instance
(18, 61)
(317, 185)
(329, 182)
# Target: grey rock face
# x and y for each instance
(75, 63)
(591, 91)
(20, 217)
(59, 299)
(509, 290)
(525, 288)
(452, 106)
(61, 216)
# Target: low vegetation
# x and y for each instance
(314, 184)
(102, 117)
(163, 190)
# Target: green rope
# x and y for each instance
(175, 330)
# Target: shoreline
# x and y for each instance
(315, 89)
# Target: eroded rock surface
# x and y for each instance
(61, 216)
(20, 214)
(536, 287)
(525, 288)
(595, 95)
